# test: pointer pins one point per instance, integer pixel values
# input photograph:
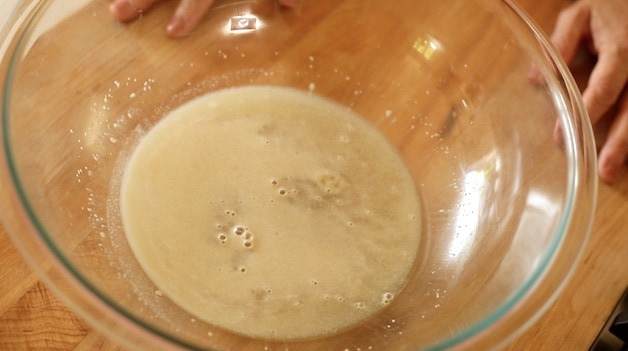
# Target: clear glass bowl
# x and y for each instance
(507, 206)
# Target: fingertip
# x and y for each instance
(128, 10)
(610, 162)
(176, 27)
(294, 5)
(607, 171)
(559, 139)
(122, 10)
(604, 87)
(535, 76)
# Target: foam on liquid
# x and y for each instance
(271, 213)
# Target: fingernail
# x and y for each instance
(608, 171)
(176, 27)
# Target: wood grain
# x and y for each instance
(32, 318)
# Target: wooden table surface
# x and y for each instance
(31, 318)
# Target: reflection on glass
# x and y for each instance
(426, 47)
(467, 218)
(246, 23)
(474, 196)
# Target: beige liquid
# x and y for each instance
(271, 213)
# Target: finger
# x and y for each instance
(605, 84)
(613, 154)
(187, 16)
(126, 10)
(572, 25)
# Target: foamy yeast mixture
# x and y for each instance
(271, 213)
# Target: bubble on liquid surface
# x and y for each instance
(360, 305)
(387, 298)
(330, 182)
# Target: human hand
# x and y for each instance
(186, 18)
(601, 27)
